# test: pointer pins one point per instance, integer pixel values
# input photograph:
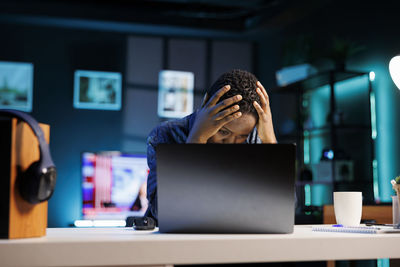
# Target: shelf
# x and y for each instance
(317, 80)
(342, 127)
(326, 129)
(303, 183)
(330, 133)
(354, 183)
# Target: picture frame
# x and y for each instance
(175, 93)
(97, 90)
(16, 85)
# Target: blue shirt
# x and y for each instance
(171, 132)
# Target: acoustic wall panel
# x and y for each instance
(144, 60)
(227, 55)
(189, 55)
(140, 113)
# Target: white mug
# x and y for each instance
(348, 208)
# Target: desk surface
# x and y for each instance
(124, 246)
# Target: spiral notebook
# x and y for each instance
(359, 229)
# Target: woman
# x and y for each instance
(235, 110)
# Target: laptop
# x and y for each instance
(226, 188)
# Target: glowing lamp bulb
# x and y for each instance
(372, 76)
(394, 69)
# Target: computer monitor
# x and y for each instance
(113, 185)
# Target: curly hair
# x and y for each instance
(242, 82)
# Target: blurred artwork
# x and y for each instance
(175, 94)
(97, 90)
(16, 85)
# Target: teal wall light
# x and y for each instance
(385, 166)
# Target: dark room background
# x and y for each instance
(57, 46)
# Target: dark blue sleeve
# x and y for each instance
(169, 132)
(152, 141)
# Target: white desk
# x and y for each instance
(126, 247)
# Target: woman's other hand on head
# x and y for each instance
(265, 126)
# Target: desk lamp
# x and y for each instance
(394, 69)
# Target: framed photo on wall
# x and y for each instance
(175, 93)
(97, 90)
(16, 85)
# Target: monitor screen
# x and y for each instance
(113, 185)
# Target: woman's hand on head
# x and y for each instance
(265, 127)
(211, 117)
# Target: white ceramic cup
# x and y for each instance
(348, 208)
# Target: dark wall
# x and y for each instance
(371, 26)
(57, 52)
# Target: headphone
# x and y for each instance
(36, 184)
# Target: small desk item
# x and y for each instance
(353, 229)
(19, 148)
(226, 188)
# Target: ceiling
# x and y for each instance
(227, 15)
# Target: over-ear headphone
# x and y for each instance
(36, 184)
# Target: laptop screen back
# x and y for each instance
(226, 188)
